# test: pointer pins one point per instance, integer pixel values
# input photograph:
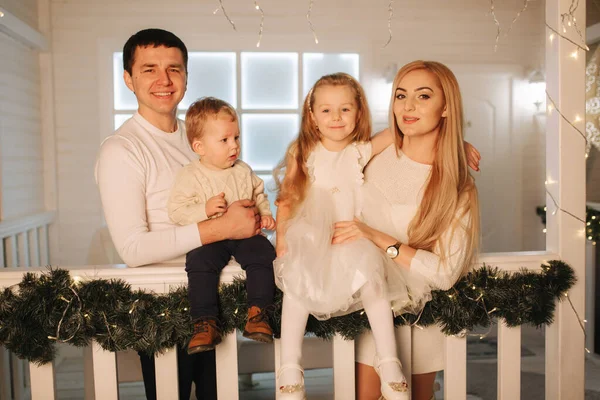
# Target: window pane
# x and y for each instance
(315, 65)
(265, 138)
(120, 119)
(270, 80)
(124, 98)
(270, 190)
(211, 74)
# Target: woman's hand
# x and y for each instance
(347, 231)
(473, 156)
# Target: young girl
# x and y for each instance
(323, 177)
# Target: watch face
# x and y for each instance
(392, 251)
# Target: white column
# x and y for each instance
(165, 366)
(509, 362)
(277, 352)
(12, 252)
(18, 379)
(34, 248)
(565, 177)
(48, 133)
(590, 294)
(105, 373)
(455, 372)
(23, 248)
(227, 368)
(43, 381)
(4, 374)
(343, 368)
(88, 373)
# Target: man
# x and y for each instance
(135, 170)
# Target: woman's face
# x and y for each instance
(419, 104)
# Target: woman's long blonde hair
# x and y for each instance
(450, 194)
(291, 174)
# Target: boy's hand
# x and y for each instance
(267, 222)
(216, 204)
(473, 156)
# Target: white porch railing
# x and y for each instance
(24, 243)
(161, 278)
(25, 240)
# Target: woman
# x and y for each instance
(430, 199)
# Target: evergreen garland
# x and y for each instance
(592, 218)
(51, 307)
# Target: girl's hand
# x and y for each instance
(473, 156)
(347, 231)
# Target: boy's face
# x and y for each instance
(158, 79)
(219, 146)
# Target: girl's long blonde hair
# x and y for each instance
(450, 194)
(291, 174)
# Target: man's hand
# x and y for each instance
(241, 220)
(267, 222)
(216, 205)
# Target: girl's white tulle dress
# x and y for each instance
(327, 278)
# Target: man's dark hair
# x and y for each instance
(151, 37)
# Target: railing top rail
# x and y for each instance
(14, 226)
(174, 273)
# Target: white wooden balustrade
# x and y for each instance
(161, 278)
(24, 243)
(25, 240)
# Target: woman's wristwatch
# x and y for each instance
(393, 250)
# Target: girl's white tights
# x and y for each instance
(381, 319)
(293, 324)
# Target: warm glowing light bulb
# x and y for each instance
(1, 14)
(573, 54)
(550, 108)
(257, 7)
(569, 23)
(545, 208)
(577, 118)
(551, 37)
(544, 230)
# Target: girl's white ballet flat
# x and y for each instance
(392, 390)
(295, 391)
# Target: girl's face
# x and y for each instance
(334, 112)
(419, 104)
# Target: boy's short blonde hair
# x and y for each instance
(200, 110)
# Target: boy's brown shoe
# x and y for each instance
(206, 336)
(257, 327)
